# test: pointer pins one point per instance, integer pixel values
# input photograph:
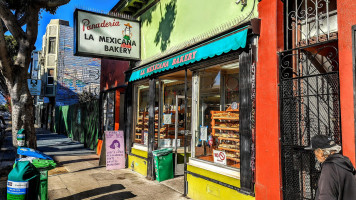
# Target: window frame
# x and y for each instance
(52, 45)
(48, 76)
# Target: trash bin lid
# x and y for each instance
(162, 152)
(23, 171)
(44, 164)
(33, 153)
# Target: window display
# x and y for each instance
(217, 136)
(141, 117)
(170, 108)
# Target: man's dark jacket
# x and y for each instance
(337, 180)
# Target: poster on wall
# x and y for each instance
(115, 150)
(219, 157)
(203, 133)
(100, 35)
(167, 119)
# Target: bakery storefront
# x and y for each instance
(200, 102)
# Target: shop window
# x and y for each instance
(141, 114)
(217, 137)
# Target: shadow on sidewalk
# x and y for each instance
(78, 160)
(102, 190)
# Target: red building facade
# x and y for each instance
(320, 99)
(112, 91)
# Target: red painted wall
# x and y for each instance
(117, 110)
(112, 73)
(268, 168)
(346, 14)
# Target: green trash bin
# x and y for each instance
(163, 159)
(23, 181)
(43, 167)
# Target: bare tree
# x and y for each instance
(14, 14)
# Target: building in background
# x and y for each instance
(64, 75)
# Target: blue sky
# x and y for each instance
(66, 13)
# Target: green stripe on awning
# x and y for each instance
(217, 47)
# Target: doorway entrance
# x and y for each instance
(309, 106)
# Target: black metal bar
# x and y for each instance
(185, 133)
(221, 183)
(317, 102)
(151, 127)
(131, 154)
(245, 121)
(311, 45)
(354, 75)
(128, 119)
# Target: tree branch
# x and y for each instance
(49, 3)
(10, 21)
(32, 25)
(5, 63)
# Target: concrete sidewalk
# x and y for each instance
(80, 177)
(7, 158)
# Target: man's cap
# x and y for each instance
(320, 142)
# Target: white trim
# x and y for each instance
(233, 173)
(140, 147)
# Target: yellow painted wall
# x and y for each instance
(139, 152)
(139, 164)
(199, 188)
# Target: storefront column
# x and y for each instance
(268, 159)
(128, 120)
(346, 18)
(245, 121)
(117, 109)
(151, 127)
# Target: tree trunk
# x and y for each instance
(22, 111)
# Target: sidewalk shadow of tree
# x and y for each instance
(102, 190)
(166, 26)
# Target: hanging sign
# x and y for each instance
(115, 150)
(99, 35)
(34, 85)
(219, 157)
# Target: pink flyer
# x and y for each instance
(115, 150)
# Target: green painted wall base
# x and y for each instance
(201, 189)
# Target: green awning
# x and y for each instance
(223, 44)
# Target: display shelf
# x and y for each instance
(222, 133)
(234, 159)
(226, 128)
(227, 118)
(142, 125)
(231, 139)
(228, 149)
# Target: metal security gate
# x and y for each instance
(309, 100)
